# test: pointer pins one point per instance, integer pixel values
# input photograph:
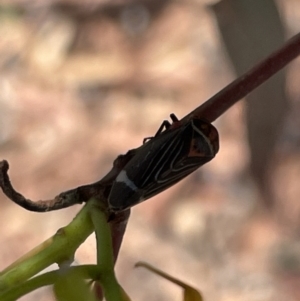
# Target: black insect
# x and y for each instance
(163, 161)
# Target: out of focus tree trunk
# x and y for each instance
(251, 30)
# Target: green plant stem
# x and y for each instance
(85, 271)
(61, 248)
(58, 249)
(105, 259)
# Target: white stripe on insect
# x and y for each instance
(204, 137)
(123, 178)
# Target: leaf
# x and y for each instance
(125, 297)
(189, 294)
(71, 286)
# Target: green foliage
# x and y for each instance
(70, 283)
(72, 286)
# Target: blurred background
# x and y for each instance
(84, 81)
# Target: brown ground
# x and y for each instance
(78, 86)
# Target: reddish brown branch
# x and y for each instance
(39, 206)
(242, 86)
(65, 199)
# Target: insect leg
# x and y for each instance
(174, 118)
(165, 125)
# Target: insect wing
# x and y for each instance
(191, 150)
(162, 162)
(127, 189)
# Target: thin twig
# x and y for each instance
(39, 206)
(65, 199)
(246, 83)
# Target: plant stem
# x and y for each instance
(244, 84)
(105, 257)
(57, 249)
(85, 271)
